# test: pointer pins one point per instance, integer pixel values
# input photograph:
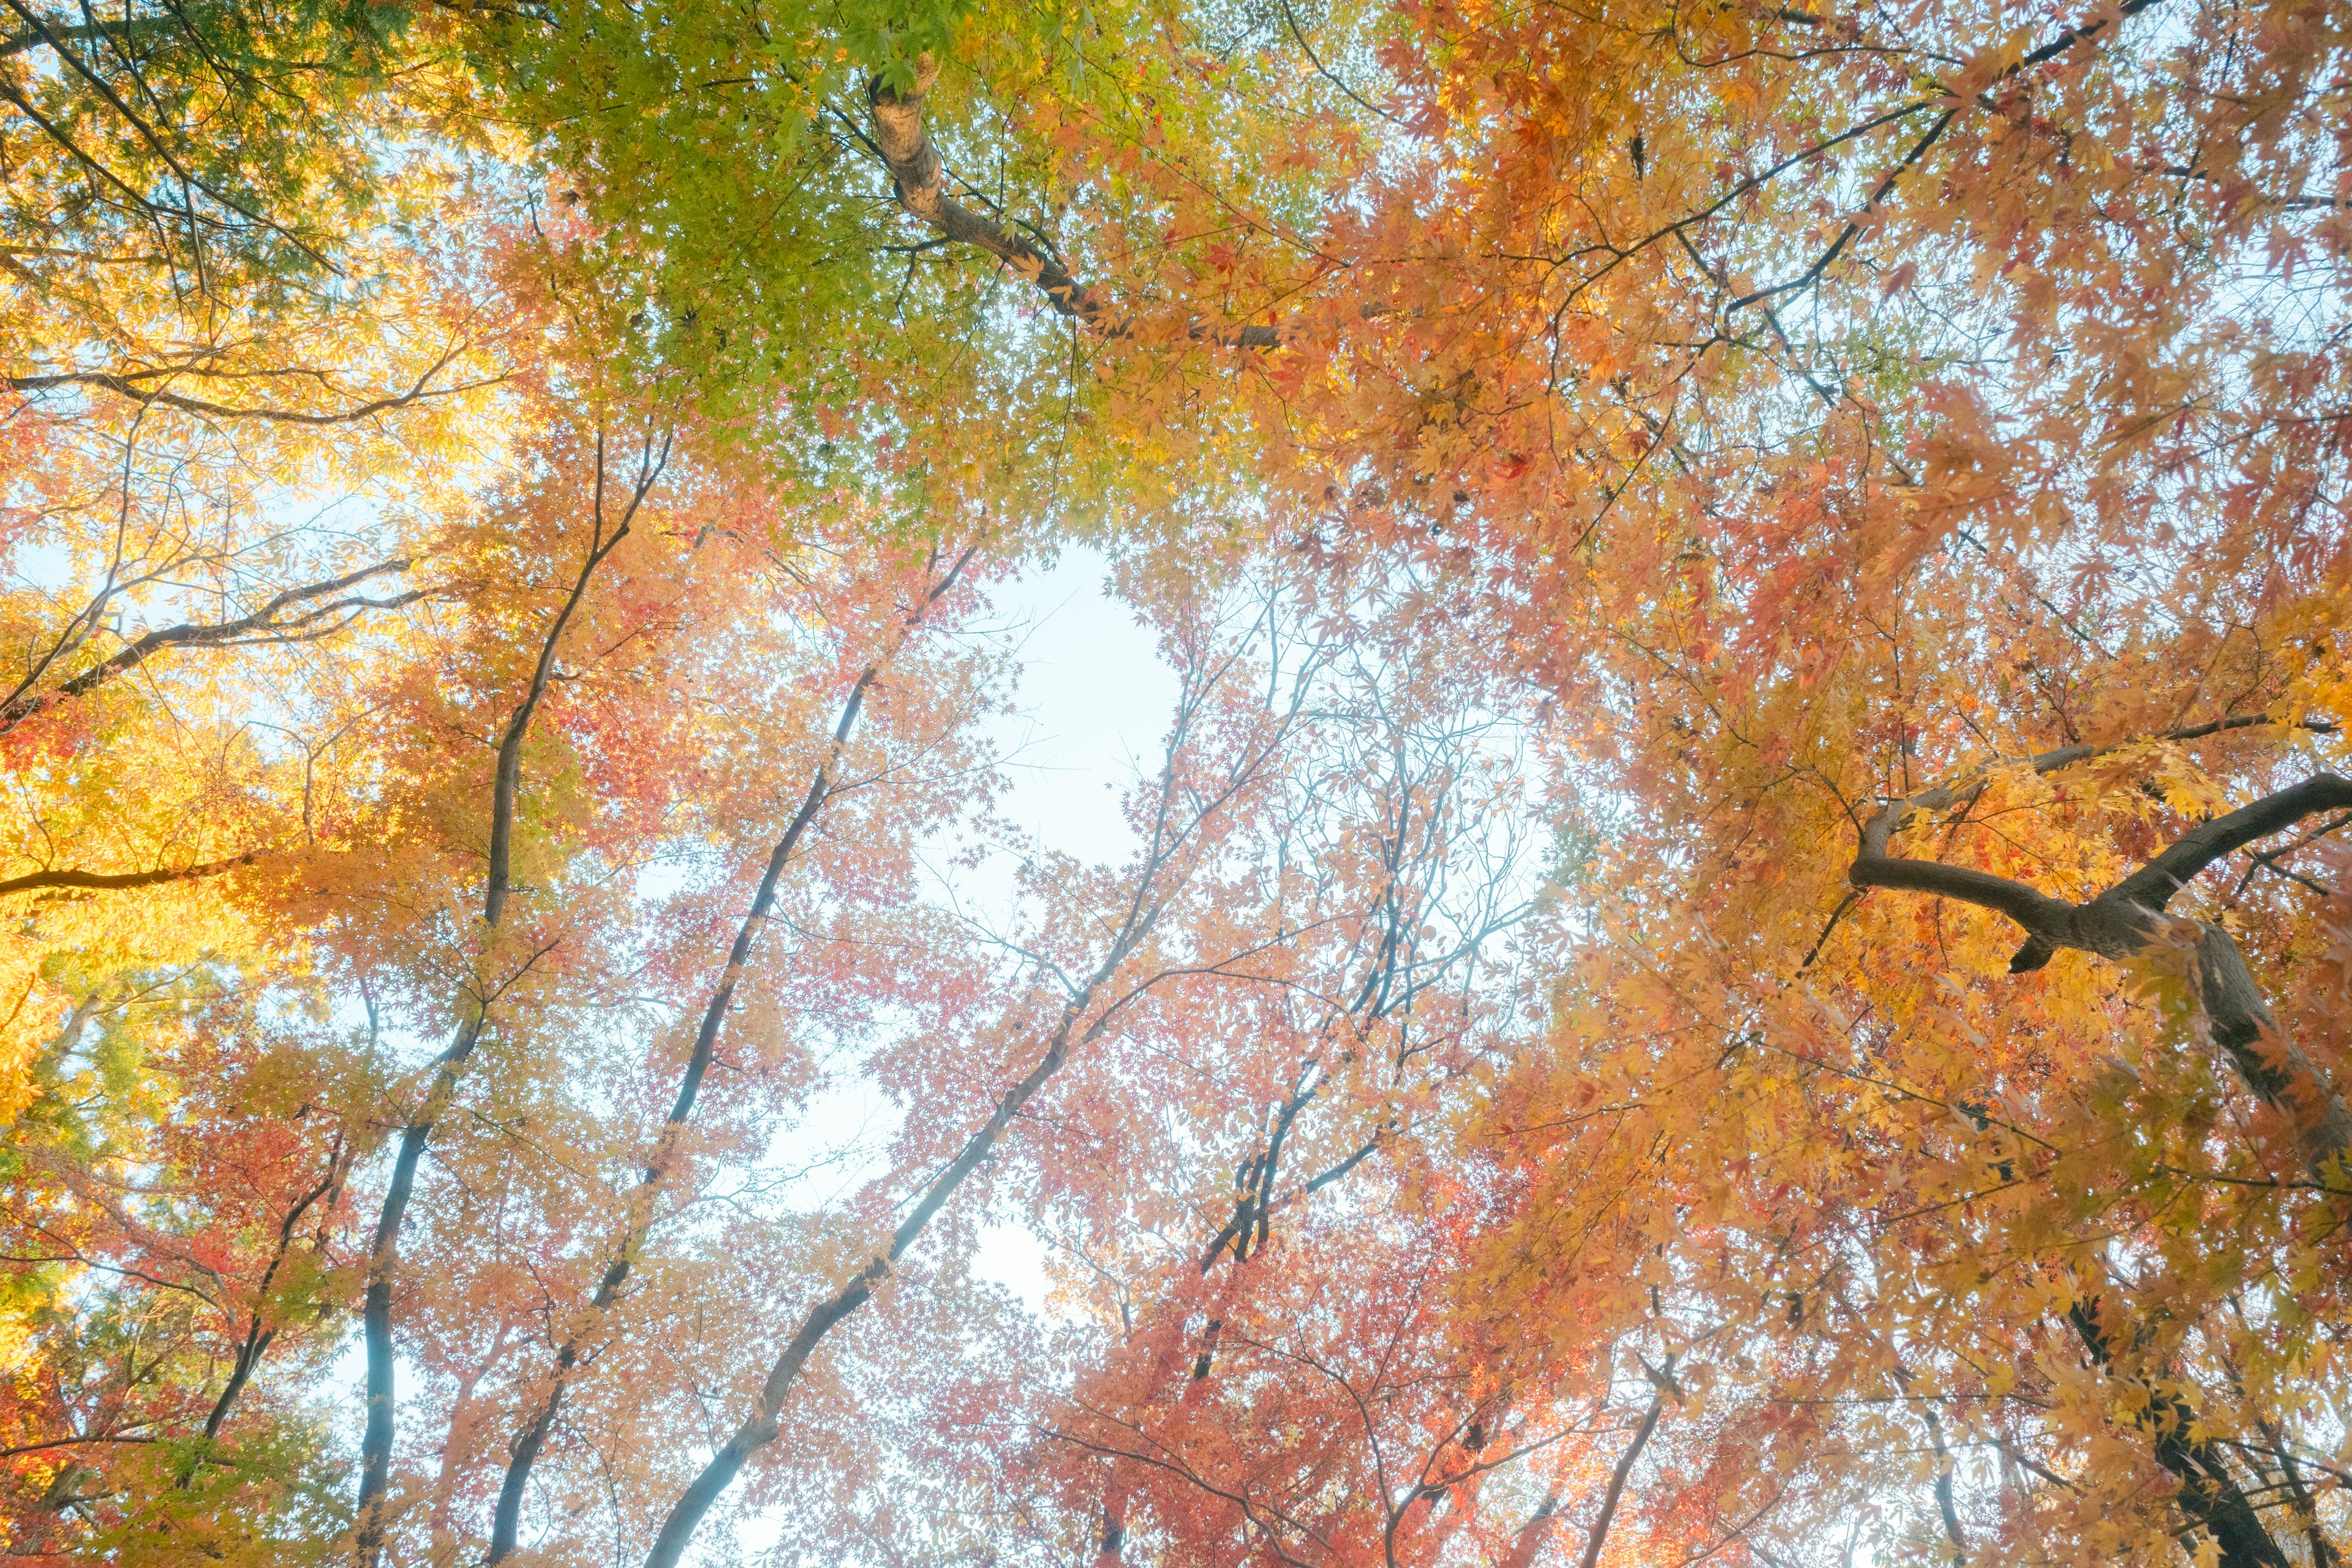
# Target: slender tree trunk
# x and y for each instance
(531, 1441)
(376, 1442)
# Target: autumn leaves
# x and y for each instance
(501, 504)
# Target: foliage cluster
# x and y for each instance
(1738, 946)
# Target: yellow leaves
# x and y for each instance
(1778, 569)
(25, 1296)
(67, 960)
(2189, 790)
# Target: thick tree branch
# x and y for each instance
(1598, 1536)
(2154, 885)
(914, 163)
(2129, 918)
(109, 880)
(767, 1415)
(915, 166)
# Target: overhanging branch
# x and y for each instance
(108, 881)
(914, 162)
(268, 624)
(2129, 918)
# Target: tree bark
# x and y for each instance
(915, 166)
(2129, 918)
(2210, 1494)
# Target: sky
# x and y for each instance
(1091, 706)
(1094, 700)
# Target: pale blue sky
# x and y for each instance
(1094, 700)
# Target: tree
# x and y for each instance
(1878, 416)
(1866, 416)
(1868, 484)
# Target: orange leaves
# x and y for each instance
(1688, 436)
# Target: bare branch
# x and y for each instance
(129, 385)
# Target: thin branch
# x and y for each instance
(128, 386)
(262, 626)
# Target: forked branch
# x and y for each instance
(2129, 917)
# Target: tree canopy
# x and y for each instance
(1736, 947)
